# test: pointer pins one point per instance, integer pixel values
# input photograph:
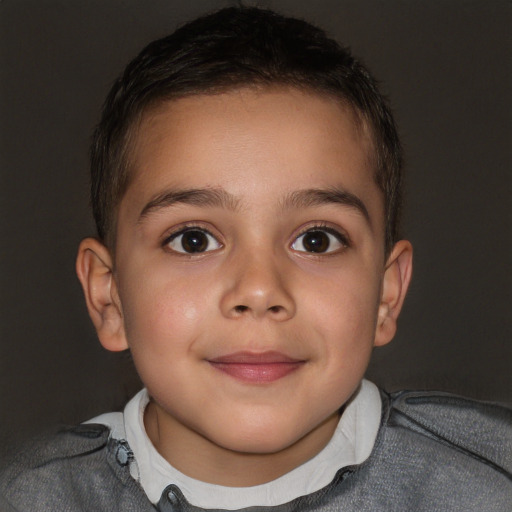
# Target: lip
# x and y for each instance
(256, 368)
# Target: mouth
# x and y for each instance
(256, 367)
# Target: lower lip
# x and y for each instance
(258, 372)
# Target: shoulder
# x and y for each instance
(482, 430)
(71, 468)
(436, 451)
(53, 448)
(50, 459)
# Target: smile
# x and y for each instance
(256, 367)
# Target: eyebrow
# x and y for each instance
(206, 197)
(319, 196)
(220, 198)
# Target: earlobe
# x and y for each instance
(397, 276)
(94, 269)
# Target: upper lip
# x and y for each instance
(246, 357)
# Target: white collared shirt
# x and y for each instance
(351, 444)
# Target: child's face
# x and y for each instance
(250, 267)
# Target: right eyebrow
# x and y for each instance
(333, 195)
(205, 197)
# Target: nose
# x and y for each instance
(257, 288)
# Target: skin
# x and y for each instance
(257, 287)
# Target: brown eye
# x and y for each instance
(318, 241)
(192, 241)
(315, 241)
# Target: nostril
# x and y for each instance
(274, 309)
(241, 309)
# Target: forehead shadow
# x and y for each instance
(135, 132)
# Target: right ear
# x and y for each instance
(94, 267)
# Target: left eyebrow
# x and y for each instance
(319, 196)
(205, 197)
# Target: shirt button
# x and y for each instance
(173, 499)
(170, 500)
(123, 454)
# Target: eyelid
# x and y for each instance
(337, 232)
(189, 226)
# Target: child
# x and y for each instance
(246, 185)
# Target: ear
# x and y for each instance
(397, 276)
(94, 269)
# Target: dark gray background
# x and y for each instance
(447, 66)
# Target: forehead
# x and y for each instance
(253, 141)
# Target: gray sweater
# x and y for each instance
(433, 452)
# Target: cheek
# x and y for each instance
(347, 320)
(349, 296)
(164, 311)
(344, 311)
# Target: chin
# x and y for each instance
(263, 440)
(266, 446)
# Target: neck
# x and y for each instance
(202, 459)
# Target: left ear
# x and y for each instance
(397, 276)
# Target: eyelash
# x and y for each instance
(186, 229)
(343, 239)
